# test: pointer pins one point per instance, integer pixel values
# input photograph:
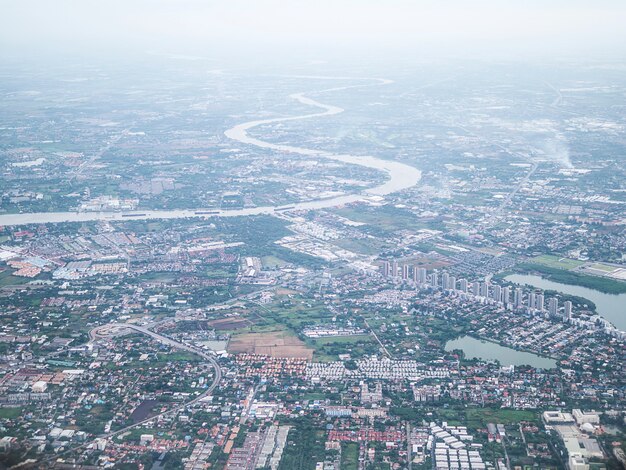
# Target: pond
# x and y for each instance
(144, 410)
(611, 307)
(488, 351)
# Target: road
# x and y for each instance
(245, 414)
(97, 333)
(175, 344)
(506, 454)
(523, 181)
(377, 339)
(519, 186)
(409, 447)
(88, 162)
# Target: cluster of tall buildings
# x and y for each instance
(406, 272)
(514, 299)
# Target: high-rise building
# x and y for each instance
(553, 306)
(476, 288)
(386, 268)
(405, 272)
(485, 290)
(540, 303)
(567, 310)
(506, 295)
(518, 298)
(422, 276)
(452, 283)
(434, 279)
(445, 281)
(532, 300)
(497, 293)
(463, 285)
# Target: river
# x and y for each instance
(488, 351)
(611, 307)
(400, 176)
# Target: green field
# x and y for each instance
(557, 262)
(305, 447)
(367, 246)
(273, 262)
(10, 413)
(177, 356)
(328, 349)
(476, 418)
(349, 456)
(6, 279)
(384, 219)
(342, 339)
(602, 267)
(485, 415)
(602, 284)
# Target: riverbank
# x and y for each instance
(400, 176)
(601, 284)
(608, 306)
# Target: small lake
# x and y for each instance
(612, 307)
(487, 351)
(144, 410)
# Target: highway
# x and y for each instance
(177, 345)
(96, 333)
(519, 186)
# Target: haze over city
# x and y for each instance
(478, 29)
(332, 235)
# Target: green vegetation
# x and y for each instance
(602, 284)
(602, 267)
(10, 413)
(557, 262)
(305, 446)
(349, 456)
(382, 220)
(177, 356)
(272, 262)
(314, 396)
(405, 413)
(259, 234)
(367, 246)
(328, 349)
(134, 435)
(477, 418)
(7, 279)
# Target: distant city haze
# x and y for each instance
(483, 28)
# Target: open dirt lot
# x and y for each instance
(230, 323)
(274, 343)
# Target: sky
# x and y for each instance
(472, 28)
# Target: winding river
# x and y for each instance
(400, 176)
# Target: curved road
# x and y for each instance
(401, 176)
(95, 334)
